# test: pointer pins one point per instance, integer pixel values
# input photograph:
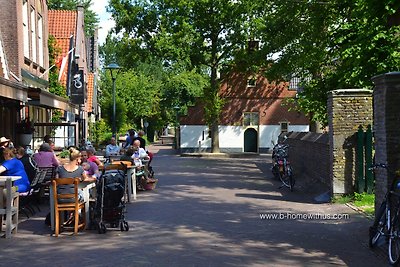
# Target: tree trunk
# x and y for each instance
(215, 138)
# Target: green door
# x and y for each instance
(250, 140)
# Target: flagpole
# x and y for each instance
(44, 73)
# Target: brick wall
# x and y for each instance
(386, 130)
(309, 156)
(347, 110)
(9, 22)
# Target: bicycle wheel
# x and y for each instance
(291, 177)
(378, 228)
(394, 241)
(285, 178)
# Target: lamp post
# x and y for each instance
(114, 69)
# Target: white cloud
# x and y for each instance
(106, 22)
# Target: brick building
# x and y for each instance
(24, 71)
(24, 62)
(253, 116)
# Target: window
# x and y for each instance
(297, 84)
(251, 81)
(33, 34)
(25, 28)
(40, 41)
(284, 126)
(294, 83)
(250, 119)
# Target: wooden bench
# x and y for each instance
(10, 209)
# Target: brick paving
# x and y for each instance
(206, 212)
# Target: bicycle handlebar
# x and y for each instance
(378, 165)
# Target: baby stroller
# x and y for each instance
(111, 200)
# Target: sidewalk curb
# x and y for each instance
(366, 215)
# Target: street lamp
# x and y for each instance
(114, 69)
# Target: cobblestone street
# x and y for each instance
(206, 212)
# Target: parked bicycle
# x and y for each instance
(281, 167)
(387, 220)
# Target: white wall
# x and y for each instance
(232, 137)
(191, 135)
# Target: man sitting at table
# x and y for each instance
(11, 166)
(139, 154)
(112, 149)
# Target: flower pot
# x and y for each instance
(25, 139)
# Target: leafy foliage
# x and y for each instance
(55, 86)
(196, 35)
(333, 44)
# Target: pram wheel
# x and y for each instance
(124, 226)
(101, 228)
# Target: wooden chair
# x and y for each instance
(74, 205)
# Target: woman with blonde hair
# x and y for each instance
(73, 168)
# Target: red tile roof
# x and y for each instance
(62, 24)
(90, 88)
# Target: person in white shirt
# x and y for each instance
(139, 154)
(112, 149)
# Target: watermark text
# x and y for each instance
(304, 216)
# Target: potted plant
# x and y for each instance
(25, 130)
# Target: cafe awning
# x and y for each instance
(43, 98)
(13, 90)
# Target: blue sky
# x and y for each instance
(106, 23)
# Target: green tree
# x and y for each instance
(330, 45)
(91, 19)
(191, 33)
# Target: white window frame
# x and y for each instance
(251, 81)
(253, 119)
(25, 28)
(33, 35)
(284, 126)
(40, 40)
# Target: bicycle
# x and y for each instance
(387, 221)
(281, 167)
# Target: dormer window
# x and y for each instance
(251, 81)
(284, 126)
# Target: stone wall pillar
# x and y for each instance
(347, 110)
(386, 130)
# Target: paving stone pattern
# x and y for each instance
(206, 212)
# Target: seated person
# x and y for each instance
(91, 168)
(14, 167)
(29, 164)
(45, 157)
(128, 154)
(139, 154)
(112, 149)
(72, 169)
(91, 157)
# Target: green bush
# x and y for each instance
(64, 154)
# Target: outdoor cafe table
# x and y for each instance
(6, 182)
(85, 186)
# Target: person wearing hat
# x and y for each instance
(45, 157)
(4, 142)
(14, 167)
